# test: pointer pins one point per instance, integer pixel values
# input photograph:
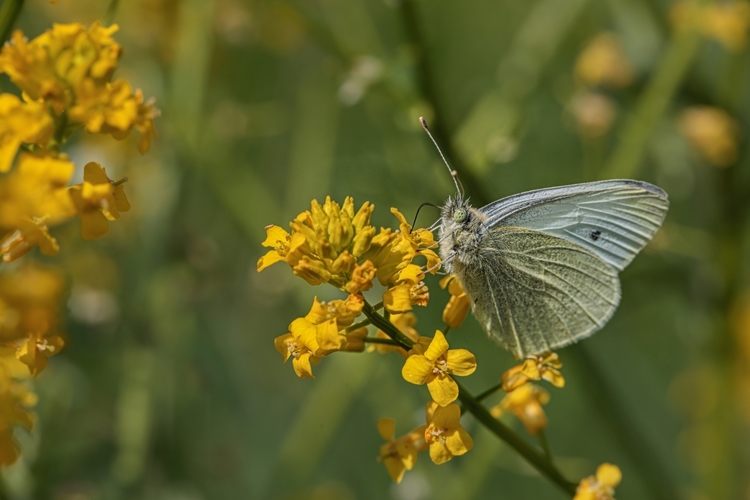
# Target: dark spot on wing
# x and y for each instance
(595, 234)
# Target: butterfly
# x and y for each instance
(541, 267)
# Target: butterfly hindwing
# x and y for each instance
(536, 291)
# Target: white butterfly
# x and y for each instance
(541, 267)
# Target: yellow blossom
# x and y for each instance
(526, 404)
(458, 306)
(114, 109)
(435, 365)
(400, 455)
(30, 233)
(15, 399)
(343, 311)
(306, 343)
(21, 122)
(29, 302)
(36, 349)
(604, 62)
(601, 487)
(361, 278)
(546, 366)
(97, 200)
(54, 64)
(725, 22)
(444, 433)
(355, 340)
(713, 132)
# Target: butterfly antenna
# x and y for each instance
(425, 204)
(454, 174)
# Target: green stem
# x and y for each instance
(533, 457)
(387, 327)
(489, 392)
(357, 326)
(376, 340)
(545, 444)
(109, 16)
(8, 15)
(641, 124)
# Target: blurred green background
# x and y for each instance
(170, 387)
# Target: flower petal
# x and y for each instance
(302, 366)
(272, 257)
(608, 475)
(387, 428)
(459, 442)
(275, 237)
(443, 389)
(397, 299)
(461, 362)
(439, 453)
(438, 346)
(417, 369)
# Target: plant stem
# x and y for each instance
(8, 15)
(387, 327)
(357, 326)
(376, 340)
(533, 457)
(641, 124)
(545, 444)
(489, 392)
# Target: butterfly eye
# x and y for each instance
(459, 215)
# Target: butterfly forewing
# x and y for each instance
(614, 219)
(535, 292)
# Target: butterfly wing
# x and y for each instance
(614, 219)
(534, 292)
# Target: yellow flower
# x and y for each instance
(15, 399)
(37, 348)
(435, 365)
(539, 367)
(355, 340)
(405, 323)
(97, 200)
(30, 233)
(55, 63)
(458, 306)
(410, 290)
(361, 279)
(21, 122)
(526, 404)
(306, 343)
(29, 302)
(400, 455)
(603, 62)
(344, 312)
(325, 243)
(601, 487)
(114, 109)
(728, 23)
(713, 132)
(444, 434)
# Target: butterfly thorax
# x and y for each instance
(461, 234)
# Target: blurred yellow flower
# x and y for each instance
(36, 349)
(113, 108)
(15, 399)
(306, 343)
(29, 302)
(21, 122)
(545, 366)
(30, 233)
(604, 62)
(53, 65)
(725, 22)
(435, 365)
(601, 487)
(97, 200)
(525, 403)
(458, 306)
(713, 133)
(409, 290)
(593, 112)
(400, 455)
(444, 433)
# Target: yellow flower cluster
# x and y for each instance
(29, 310)
(331, 243)
(524, 399)
(443, 435)
(335, 244)
(725, 22)
(713, 132)
(64, 76)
